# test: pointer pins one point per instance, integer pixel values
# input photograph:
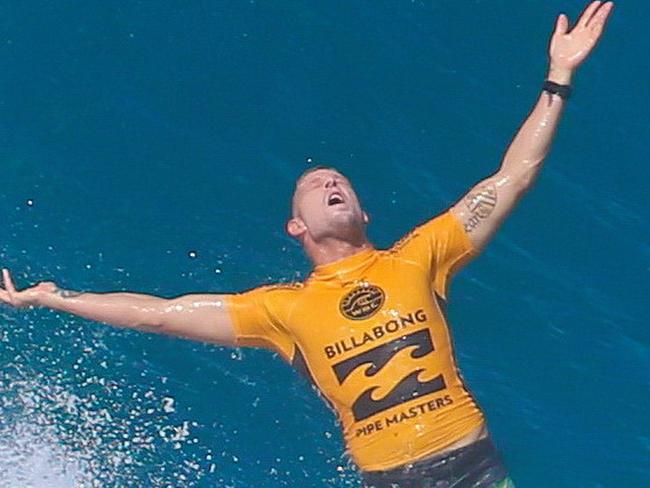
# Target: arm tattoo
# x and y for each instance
(480, 203)
(67, 293)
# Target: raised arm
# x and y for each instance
(488, 203)
(202, 317)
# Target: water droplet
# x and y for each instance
(168, 405)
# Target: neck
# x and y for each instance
(331, 250)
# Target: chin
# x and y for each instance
(346, 223)
(342, 216)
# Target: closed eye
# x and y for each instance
(315, 183)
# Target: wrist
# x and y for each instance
(561, 76)
(51, 296)
(44, 299)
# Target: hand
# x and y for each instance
(569, 49)
(24, 298)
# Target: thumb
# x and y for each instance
(562, 24)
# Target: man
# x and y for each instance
(368, 326)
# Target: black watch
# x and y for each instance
(564, 91)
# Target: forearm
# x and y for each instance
(485, 207)
(487, 204)
(532, 143)
(202, 317)
(130, 310)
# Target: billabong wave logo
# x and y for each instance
(362, 302)
(375, 359)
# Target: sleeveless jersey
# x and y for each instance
(370, 332)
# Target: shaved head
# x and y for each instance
(303, 175)
(325, 206)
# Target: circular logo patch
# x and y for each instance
(362, 302)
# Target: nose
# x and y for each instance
(330, 183)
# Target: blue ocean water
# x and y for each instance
(152, 147)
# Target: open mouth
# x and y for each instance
(335, 199)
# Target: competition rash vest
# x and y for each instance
(370, 332)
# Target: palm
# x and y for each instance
(22, 298)
(569, 49)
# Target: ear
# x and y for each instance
(295, 227)
(366, 218)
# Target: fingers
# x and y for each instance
(600, 17)
(9, 284)
(588, 14)
(562, 24)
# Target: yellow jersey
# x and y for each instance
(370, 332)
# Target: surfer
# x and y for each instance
(368, 326)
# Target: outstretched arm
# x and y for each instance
(487, 205)
(203, 317)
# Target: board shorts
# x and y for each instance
(478, 465)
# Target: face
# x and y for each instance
(325, 205)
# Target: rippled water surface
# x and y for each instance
(152, 147)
